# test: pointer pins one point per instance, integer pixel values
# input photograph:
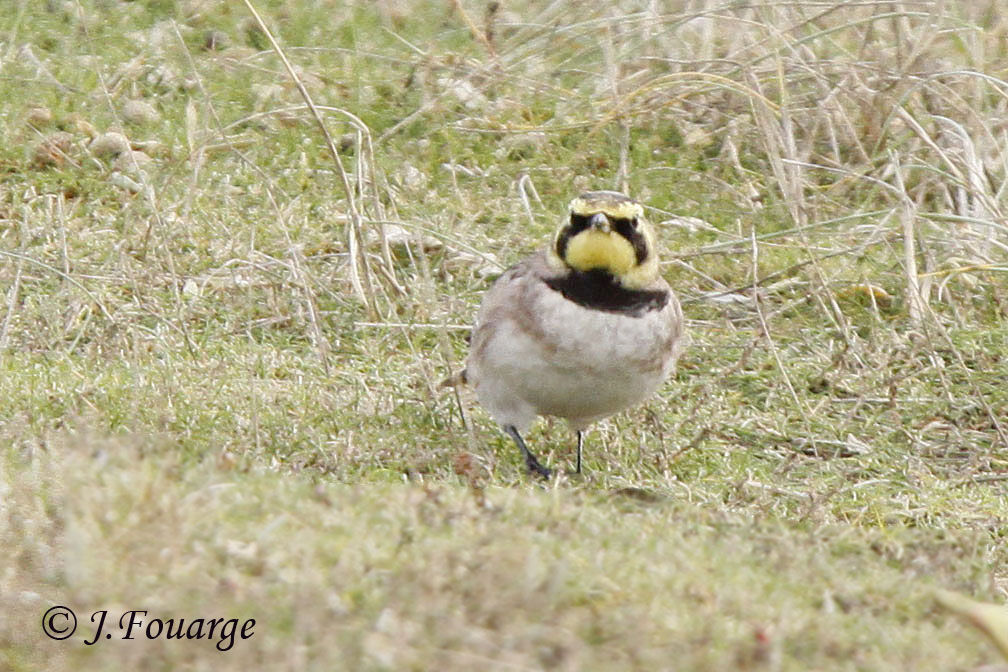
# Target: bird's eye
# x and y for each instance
(625, 225)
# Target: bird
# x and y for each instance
(583, 329)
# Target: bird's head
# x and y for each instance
(606, 231)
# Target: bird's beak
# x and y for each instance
(600, 222)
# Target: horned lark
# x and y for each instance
(579, 331)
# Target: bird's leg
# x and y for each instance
(580, 436)
(530, 460)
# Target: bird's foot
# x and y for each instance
(535, 468)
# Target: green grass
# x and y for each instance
(218, 402)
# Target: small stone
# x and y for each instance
(82, 125)
(40, 116)
(464, 92)
(109, 144)
(131, 161)
(412, 177)
(124, 182)
(190, 289)
(140, 112)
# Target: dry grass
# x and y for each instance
(220, 355)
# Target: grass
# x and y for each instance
(219, 392)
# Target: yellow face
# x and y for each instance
(605, 250)
(607, 231)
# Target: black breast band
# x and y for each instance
(598, 290)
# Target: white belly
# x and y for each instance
(568, 361)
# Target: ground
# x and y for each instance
(222, 339)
